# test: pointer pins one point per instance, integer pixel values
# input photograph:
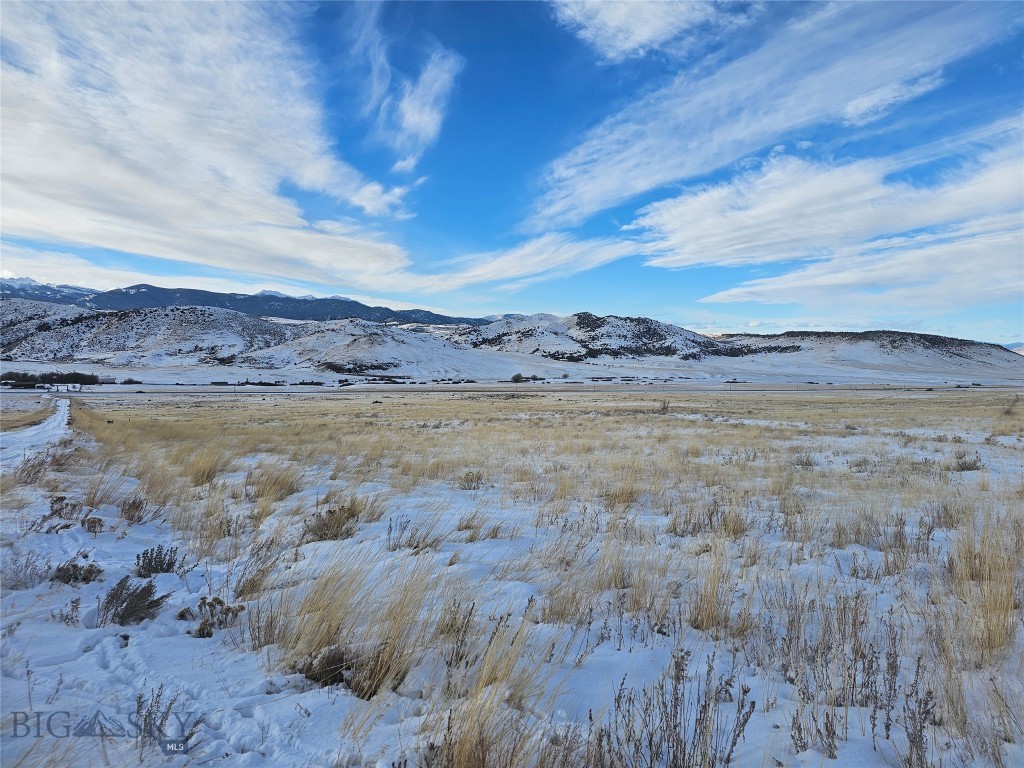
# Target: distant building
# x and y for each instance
(106, 380)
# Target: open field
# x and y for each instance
(558, 578)
(23, 409)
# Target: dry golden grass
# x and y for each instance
(19, 419)
(711, 599)
(11, 500)
(360, 626)
(202, 466)
(272, 482)
(630, 520)
(983, 570)
(105, 488)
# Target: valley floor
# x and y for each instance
(558, 577)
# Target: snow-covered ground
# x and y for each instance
(19, 445)
(200, 345)
(544, 567)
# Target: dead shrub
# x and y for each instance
(71, 571)
(129, 602)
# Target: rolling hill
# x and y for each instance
(200, 344)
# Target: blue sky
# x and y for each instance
(723, 166)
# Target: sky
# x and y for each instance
(724, 166)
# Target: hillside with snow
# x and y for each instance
(203, 344)
(585, 336)
(140, 337)
(21, 319)
(264, 303)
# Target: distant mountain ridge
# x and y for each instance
(263, 304)
(204, 344)
(585, 336)
(27, 288)
(890, 339)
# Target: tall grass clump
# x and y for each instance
(982, 570)
(361, 625)
(273, 482)
(203, 466)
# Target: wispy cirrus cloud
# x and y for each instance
(408, 111)
(864, 109)
(905, 277)
(509, 269)
(623, 29)
(792, 209)
(539, 258)
(53, 265)
(806, 74)
(849, 234)
(415, 117)
(168, 130)
(368, 45)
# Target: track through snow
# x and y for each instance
(18, 445)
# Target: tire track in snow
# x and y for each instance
(21, 444)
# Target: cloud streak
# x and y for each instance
(168, 129)
(623, 29)
(905, 277)
(58, 267)
(694, 125)
(415, 118)
(791, 209)
(408, 112)
(545, 257)
(368, 44)
(541, 258)
(847, 234)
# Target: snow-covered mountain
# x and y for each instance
(360, 347)
(135, 337)
(223, 342)
(262, 304)
(841, 354)
(22, 318)
(27, 288)
(584, 336)
(201, 344)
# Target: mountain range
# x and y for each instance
(74, 328)
(264, 303)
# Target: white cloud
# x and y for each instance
(408, 112)
(864, 109)
(58, 267)
(541, 258)
(792, 209)
(853, 241)
(167, 129)
(369, 44)
(620, 29)
(905, 278)
(415, 119)
(544, 257)
(842, 62)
